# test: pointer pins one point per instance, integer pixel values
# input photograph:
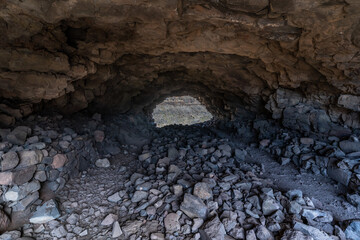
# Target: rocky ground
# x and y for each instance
(187, 183)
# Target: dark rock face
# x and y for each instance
(131, 55)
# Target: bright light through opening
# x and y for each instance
(184, 110)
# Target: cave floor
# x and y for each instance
(94, 203)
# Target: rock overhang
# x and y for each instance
(73, 55)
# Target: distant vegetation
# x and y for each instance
(183, 110)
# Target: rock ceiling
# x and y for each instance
(264, 55)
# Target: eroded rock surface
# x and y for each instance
(130, 55)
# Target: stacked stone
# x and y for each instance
(36, 159)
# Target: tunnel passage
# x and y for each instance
(183, 110)
(282, 75)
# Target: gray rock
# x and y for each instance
(250, 235)
(315, 233)
(171, 222)
(139, 195)
(295, 235)
(352, 232)
(294, 207)
(349, 146)
(11, 235)
(102, 163)
(157, 236)
(203, 191)
(29, 158)
(131, 227)
(263, 233)
(47, 212)
(109, 220)
(59, 232)
(26, 202)
(144, 156)
(18, 135)
(17, 193)
(269, 206)
(240, 154)
(354, 199)
(317, 215)
(214, 229)
(9, 161)
(114, 198)
(193, 207)
(198, 222)
(116, 231)
(173, 153)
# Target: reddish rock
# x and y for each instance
(59, 161)
(18, 176)
(6, 178)
(99, 136)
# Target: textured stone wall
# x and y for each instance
(277, 56)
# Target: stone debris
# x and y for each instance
(103, 163)
(191, 185)
(45, 213)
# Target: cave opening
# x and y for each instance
(180, 110)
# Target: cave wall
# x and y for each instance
(298, 60)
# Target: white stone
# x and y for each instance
(116, 231)
(102, 163)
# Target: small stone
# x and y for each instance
(264, 143)
(240, 154)
(59, 161)
(72, 219)
(47, 212)
(203, 191)
(138, 196)
(269, 206)
(59, 232)
(17, 176)
(171, 223)
(178, 190)
(352, 232)
(214, 229)
(99, 136)
(29, 158)
(84, 233)
(295, 235)
(109, 219)
(306, 141)
(11, 235)
(317, 215)
(64, 144)
(114, 198)
(18, 135)
(9, 161)
(349, 146)
(157, 236)
(116, 231)
(312, 231)
(198, 222)
(144, 156)
(173, 153)
(294, 207)
(284, 161)
(102, 163)
(193, 207)
(263, 233)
